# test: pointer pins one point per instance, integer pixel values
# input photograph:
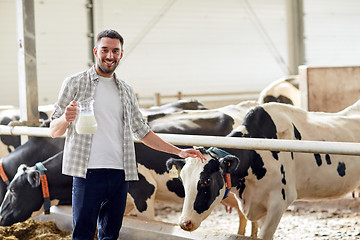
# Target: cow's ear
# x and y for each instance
(34, 178)
(229, 163)
(179, 163)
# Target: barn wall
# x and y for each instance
(61, 47)
(61, 44)
(189, 46)
(196, 46)
(332, 46)
(8, 52)
(332, 32)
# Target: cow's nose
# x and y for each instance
(187, 225)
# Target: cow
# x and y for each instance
(7, 142)
(174, 107)
(24, 196)
(284, 90)
(36, 149)
(202, 122)
(267, 182)
(151, 163)
(155, 184)
(214, 122)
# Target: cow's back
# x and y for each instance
(318, 176)
(294, 123)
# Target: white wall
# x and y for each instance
(196, 46)
(332, 32)
(180, 45)
(61, 44)
(8, 52)
(61, 47)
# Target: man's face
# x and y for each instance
(108, 53)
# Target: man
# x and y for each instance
(102, 163)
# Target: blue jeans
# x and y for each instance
(99, 200)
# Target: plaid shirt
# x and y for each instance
(82, 86)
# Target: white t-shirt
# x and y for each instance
(107, 149)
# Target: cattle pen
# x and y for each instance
(304, 146)
(134, 228)
(221, 54)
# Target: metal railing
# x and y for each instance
(342, 148)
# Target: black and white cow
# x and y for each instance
(214, 122)
(36, 149)
(284, 90)
(202, 122)
(174, 107)
(9, 142)
(25, 195)
(155, 183)
(151, 163)
(267, 182)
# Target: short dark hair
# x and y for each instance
(109, 33)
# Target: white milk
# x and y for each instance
(86, 124)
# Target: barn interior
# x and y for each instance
(217, 52)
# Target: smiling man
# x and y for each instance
(103, 163)
(108, 54)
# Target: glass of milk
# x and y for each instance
(86, 123)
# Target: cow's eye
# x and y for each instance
(12, 191)
(205, 182)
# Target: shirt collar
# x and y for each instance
(93, 74)
(95, 77)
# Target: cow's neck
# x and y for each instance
(30, 153)
(244, 164)
(250, 166)
(58, 183)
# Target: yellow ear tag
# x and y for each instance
(173, 173)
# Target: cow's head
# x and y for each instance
(22, 197)
(204, 185)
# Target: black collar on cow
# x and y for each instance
(44, 186)
(3, 174)
(219, 153)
